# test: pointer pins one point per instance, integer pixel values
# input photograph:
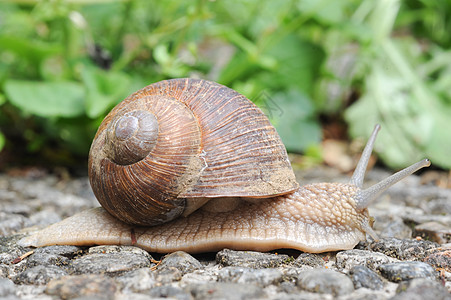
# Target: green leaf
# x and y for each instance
(2, 99)
(34, 51)
(104, 89)
(170, 64)
(414, 122)
(292, 114)
(2, 141)
(298, 62)
(46, 99)
(239, 67)
(385, 103)
(327, 11)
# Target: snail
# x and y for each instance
(192, 165)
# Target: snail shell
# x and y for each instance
(173, 145)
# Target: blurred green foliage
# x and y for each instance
(65, 64)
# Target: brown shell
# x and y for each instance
(212, 142)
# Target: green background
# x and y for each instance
(306, 63)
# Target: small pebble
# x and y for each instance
(260, 277)
(225, 291)
(441, 260)
(348, 259)
(180, 260)
(363, 277)
(39, 275)
(392, 226)
(167, 275)
(11, 223)
(91, 286)
(109, 263)
(43, 218)
(9, 249)
(63, 250)
(434, 231)
(309, 260)
(325, 281)
(407, 270)
(407, 249)
(117, 249)
(136, 281)
(420, 289)
(171, 292)
(203, 275)
(288, 287)
(421, 218)
(4, 271)
(251, 259)
(439, 206)
(7, 287)
(52, 255)
(44, 259)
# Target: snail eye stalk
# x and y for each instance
(365, 197)
(359, 172)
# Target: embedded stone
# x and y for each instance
(407, 270)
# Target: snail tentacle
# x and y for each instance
(359, 172)
(365, 197)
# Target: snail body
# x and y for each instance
(192, 165)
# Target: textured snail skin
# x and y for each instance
(306, 220)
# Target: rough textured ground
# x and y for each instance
(411, 261)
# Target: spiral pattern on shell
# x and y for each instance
(182, 139)
(130, 137)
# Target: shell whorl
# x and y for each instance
(209, 142)
(146, 192)
(130, 137)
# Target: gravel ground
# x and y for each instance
(411, 261)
